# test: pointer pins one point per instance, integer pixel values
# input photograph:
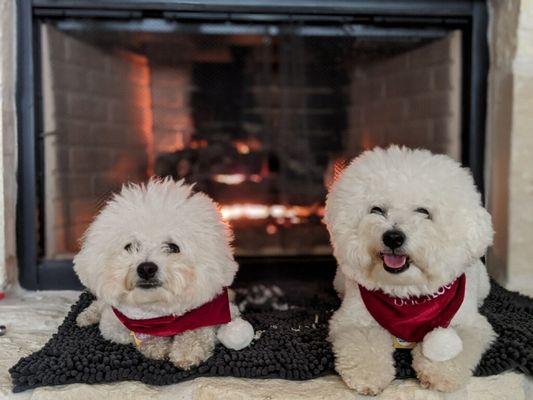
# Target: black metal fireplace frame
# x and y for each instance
(470, 16)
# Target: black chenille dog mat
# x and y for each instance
(291, 344)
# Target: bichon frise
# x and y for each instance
(408, 231)
(158, 259)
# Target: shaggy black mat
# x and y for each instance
(292, 345)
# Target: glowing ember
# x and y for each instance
(271, 229)
(278, 211)
(229, 179)
(250, 211)
(242, 148)
(256, 178)
(236, 179)
(294, 214)
(247, 146)
(198, 144)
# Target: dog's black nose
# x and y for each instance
(146, 270)
(393, 239)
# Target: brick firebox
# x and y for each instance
(109, 114)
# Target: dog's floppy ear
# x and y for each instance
(230, 269)
(88, 261)
(480, 233)
(83, 267)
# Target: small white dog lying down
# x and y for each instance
(158, 259)
(408, 230)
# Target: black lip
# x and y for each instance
(148, 285)
(397, 270)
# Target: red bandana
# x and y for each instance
(411, 318)
(214, 312)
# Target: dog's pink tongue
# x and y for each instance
(393, 260)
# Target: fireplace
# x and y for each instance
(261, 108)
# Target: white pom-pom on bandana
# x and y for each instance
(236, 334)
(442, 344)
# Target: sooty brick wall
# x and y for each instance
(97, 127)
(411, 99)
(171, 87)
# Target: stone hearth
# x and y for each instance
(32, 317)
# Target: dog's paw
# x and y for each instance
(188, 357)
(365, 385)
(363, 357)
(368, 379)
(445, 376)
(191, 348)
(155, 349)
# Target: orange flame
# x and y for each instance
(242, 147)
(229, 179)
(261, 211)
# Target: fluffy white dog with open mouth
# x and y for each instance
(408, 231)
(159, 261)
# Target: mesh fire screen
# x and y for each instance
(260, 117)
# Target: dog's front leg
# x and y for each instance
(190, 348)
(112, 329)
(91, 315)
(450, 375)
(155, 347)
(363, 357)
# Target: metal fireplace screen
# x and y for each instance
(261, 117)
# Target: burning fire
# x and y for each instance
(236, 179)
(242, 147)
(230, 179)
(247, 146)
(271, 229)
(294, 214)
(198, 144)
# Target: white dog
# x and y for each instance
(158, 259)
(408, 230)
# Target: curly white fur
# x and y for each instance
(148, 217)
(440, 249)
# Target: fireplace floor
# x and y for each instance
(32, 317)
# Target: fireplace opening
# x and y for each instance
(260, 105)
(260, 117)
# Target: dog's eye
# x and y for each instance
(424, 211)
(173, 248)
(128, 247)
(377, 210)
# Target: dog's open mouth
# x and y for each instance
(395, 263)
(148, 284)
